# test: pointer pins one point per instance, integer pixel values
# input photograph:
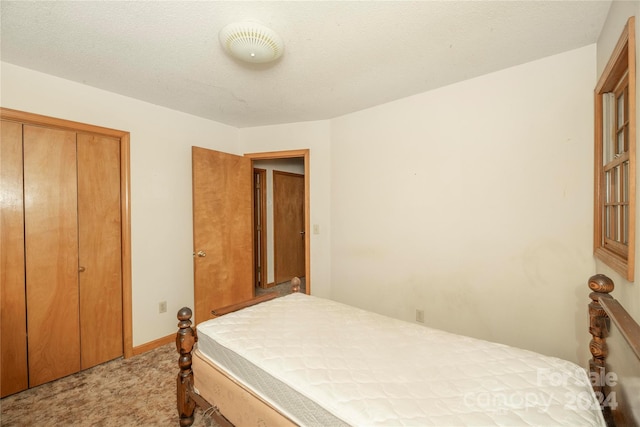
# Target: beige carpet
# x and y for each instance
(139, 391)
(282, 289)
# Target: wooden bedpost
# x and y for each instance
(601, 286)
(185, 340)
(295, 285)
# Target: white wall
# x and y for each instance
(314, 136)
(161, 220)
(473, 202)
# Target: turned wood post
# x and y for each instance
(295, 285)
(185, 339)
(601, 286)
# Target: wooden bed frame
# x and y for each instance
(603, 309)
(188, 398)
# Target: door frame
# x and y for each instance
(125, 201)
(304, 154)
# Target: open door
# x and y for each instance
(222, 230)
(260, 227)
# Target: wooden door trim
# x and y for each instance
(304, 153)
(125, 200)
(53, 122)
(125, 206)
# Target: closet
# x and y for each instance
(61, 254)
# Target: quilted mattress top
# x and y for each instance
(371, 370)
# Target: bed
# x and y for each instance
(302, 360)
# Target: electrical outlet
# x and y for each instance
(162, 307)
(419, 315)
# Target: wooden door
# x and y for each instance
(99, 249)
(13, 315)
(222, 230)
(51, 237)
(260, 227)
(288, 226)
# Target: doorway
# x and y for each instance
(278, 157)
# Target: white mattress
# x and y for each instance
(353, 366)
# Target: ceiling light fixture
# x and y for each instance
(251, 42)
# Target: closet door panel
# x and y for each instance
(51, 237)
(99, 249)
(13, 315)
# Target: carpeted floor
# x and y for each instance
(282, 289)
(139, 391)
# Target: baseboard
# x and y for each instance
(153, 344)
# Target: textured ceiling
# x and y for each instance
(340, 56)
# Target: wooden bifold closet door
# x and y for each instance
(13, 321)
(51, 253)
(99, 249)
(72, 253)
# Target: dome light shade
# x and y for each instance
(251, 42)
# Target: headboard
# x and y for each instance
(614, 368)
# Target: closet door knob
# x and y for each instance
(202, 254)
(81, 269)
